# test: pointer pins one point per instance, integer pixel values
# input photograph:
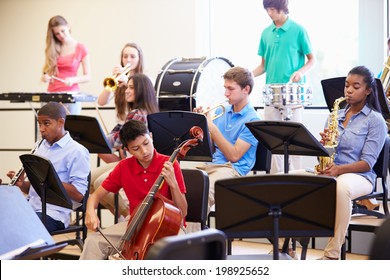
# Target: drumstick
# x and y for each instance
(59, 79)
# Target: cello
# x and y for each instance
(156, 217)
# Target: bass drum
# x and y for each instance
(186, 83)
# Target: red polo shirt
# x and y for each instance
(137, 181)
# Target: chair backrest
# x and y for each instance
(381, 166)
(197, 184)
(380, 249)
(79, 225)
(208, 244)
(263, 159)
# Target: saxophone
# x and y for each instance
(330, 144)
(385, 78)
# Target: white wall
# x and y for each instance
(164, 29)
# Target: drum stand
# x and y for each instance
(287, 111)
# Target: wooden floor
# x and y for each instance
(246, 247)
(240, 247)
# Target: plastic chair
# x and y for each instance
(197, 184)
(78, 227)
(381, 168)
(208, 244)
(263, 159)
(263, 163)
(380, 249)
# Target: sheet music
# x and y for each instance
(18, 251)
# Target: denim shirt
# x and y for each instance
(362, 139)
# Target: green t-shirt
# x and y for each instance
(284, 50)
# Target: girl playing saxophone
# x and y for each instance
(362, 132)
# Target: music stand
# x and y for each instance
(22, 234)
(87, 131)
(334, 88)
(170, 128)
(286, 137)
(45, 181)
(273, 206)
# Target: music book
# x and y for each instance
(21, 230)
(23, 249)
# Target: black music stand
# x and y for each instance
(22, 234)
(45, 182)
(273, 206)
(285, 137)
(333, 88)
(170, 128)
(87, 131)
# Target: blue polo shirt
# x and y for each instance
(284, 50)
(232, 126)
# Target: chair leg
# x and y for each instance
(313, 242)
(209, 216)
(349, 238)
(285, 245)
(305, 244)
(343, 255)
(116, 210)
(348, 241)
(385, 201)
(229, 246)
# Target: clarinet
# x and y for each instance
(21, 170)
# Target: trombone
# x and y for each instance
(214, 108)
(111, 83)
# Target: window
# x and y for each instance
(341, 36)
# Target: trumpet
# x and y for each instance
(111, 83)
(214, 108)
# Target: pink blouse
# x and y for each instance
(68, 66)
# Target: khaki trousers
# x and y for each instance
(349, 187)
(215, 172)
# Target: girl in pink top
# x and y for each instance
(63, 58)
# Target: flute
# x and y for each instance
(17, 175)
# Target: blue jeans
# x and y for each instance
(51, 224)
